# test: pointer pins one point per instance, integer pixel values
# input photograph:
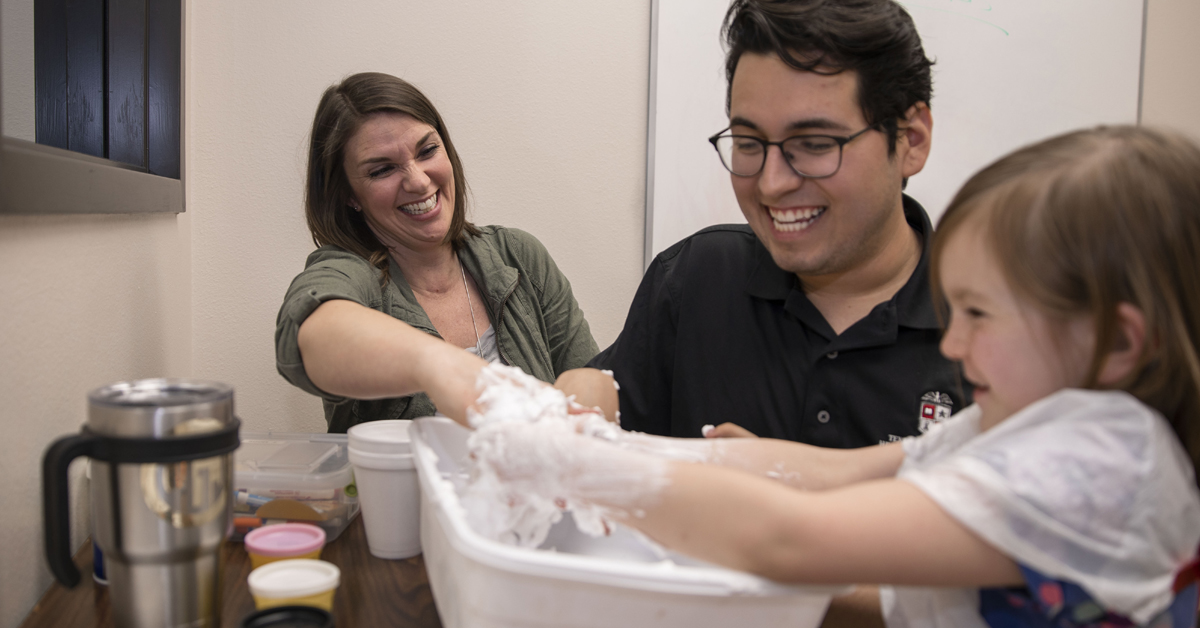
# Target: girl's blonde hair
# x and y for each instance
(1084, 221)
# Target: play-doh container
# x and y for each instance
(294, 582)
(289, 617)
(283, 541)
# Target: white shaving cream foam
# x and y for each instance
(532, 460)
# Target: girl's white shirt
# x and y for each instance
(1090, 487)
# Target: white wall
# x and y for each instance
(546, 100)
(86, 300)
(1171, 79)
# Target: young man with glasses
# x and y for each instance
(814, 322)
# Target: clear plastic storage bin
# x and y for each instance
(284, 477)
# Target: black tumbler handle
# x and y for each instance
(56, 515)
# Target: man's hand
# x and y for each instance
(729, 430)
(592, 388)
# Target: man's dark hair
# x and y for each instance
(876, 38)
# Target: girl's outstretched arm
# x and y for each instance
(795, 464)
(801, 466)
(879, 531)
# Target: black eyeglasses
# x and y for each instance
(811, 156)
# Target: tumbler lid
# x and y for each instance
(160, 408)
(160, 393)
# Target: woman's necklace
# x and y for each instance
(470, 306)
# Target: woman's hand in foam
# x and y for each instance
(538, 468)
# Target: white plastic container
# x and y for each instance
(573, 580)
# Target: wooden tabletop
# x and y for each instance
(374, 592)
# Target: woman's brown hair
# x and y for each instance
(342, 110)
(1082, 222)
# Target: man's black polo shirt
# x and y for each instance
(717, 332)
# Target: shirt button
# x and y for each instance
(831, 355)
(823, 416)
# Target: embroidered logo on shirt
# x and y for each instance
(935, 408)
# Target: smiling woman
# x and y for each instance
(405, 300)
(402, 182)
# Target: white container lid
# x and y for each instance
(297, 577)
(381, 437)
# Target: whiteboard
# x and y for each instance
(1006, 73)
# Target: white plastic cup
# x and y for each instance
(388, 492)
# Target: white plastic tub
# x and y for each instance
(573, 580)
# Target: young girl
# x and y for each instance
(1065, 496)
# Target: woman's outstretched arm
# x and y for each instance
(355, 351)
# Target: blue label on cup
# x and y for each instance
(98, 565)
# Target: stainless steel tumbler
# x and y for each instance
(161, 497)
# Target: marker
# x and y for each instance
(246, 498)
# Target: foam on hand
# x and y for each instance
(532, 459)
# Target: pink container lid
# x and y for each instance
(285, 539)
